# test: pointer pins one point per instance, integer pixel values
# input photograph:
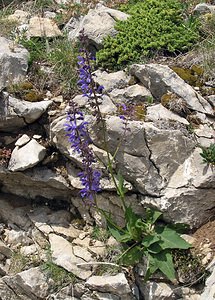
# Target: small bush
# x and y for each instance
(153, 26)
(208, 154)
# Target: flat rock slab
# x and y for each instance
(160, 79)
(27, 156)
(116, 284)
(63, 256)
(13, 62)
(43, 27)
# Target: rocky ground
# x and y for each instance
(54, 247)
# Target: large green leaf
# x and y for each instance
(165, 264)
(131, 256)
(148, 240)
(152, 266)
(170, 239)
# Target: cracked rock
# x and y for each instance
(17, 113)
(26, 157)
(13, 62)
(160, 79)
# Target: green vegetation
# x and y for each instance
(59, 55)
(100, 234)
(154, 26)
(150, 238)
(208, 154)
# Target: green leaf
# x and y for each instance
(148, 240)
(170, 239)
(165, 264)
(152, 266)
(114, 232)
(131, 220)
(152, 215)
(131, 256)
(121, 188)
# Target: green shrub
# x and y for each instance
(153, 26)
(208, 154)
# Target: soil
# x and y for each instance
(205, 235)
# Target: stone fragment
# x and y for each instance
(160, 80)
(24, 139)
(43, 27)
(27, 156)
(32, 283)
(209, 290)
(63, 256)
(111, 81)
(116, 284)
(204, 8)
(18, 113)
(6, 251)
(159, 112)
(135, 94)
(35, 183)
(97, 24)
(13, 63)
(19, 16)
(156, 291)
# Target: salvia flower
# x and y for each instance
(78, 135)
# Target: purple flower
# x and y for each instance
(78, 135)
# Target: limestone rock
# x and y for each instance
(97, 24)
(209, 290)
(17, 113)
(204, 8)
(43, 27)
(24, 139)
(116, 284)
(189, 196)
(27, 156)
(13, 63)
(111, 81)
(35, 183)
(19, 16)
(159, 112)
(160, 79)
(134, 93)
(6, 251)
(31, 283)
(156, 291)
(63, 256)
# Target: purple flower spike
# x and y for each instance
(77, 132)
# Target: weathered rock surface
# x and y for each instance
(27, 156)
(36, 182)
(43, 27)
(154, 291)
(97, 24)
(116, 284)
(160, 79)
(63, 256)
(16, 113)
(209, 291)
(13, 62)
(19, 16)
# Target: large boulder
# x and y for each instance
(160, 80)
(13, 62)
(97, 24)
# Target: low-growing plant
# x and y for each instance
(100, 234)
(142, 235)
(153, 26)
(208, 154)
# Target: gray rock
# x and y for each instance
(189, 196)
(134, 94)
(27, 156)
(97, 24)
(43, 27)
(13, 62)
(116, 284)
(24, 139)
(63, 256)
(204, 8)
(18, 113)
(35, 183)
(160, 79)
(111, 81)
(6, 251)
(159, 112)
(209, 290)
(19, 16)
(30, 284)
(156, 291)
